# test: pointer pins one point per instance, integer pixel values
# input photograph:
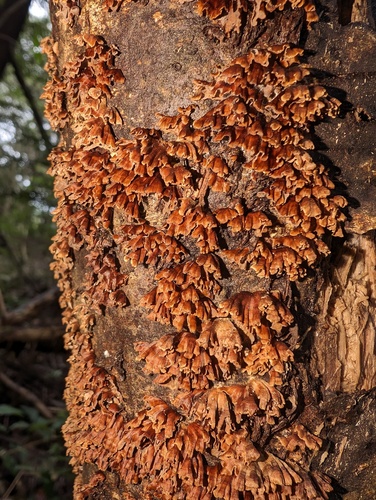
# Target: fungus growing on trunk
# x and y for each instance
(226, 182)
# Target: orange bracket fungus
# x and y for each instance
(227, 186)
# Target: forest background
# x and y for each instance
(33, 462)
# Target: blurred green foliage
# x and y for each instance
(33, 462)
(33, 458)
(26, 198)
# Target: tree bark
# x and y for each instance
(194, 222)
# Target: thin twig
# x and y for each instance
(26, 394)
(12, 485)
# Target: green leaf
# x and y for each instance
(20, 425)
(8, 410)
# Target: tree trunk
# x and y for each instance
(194, 223)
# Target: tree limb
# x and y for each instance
(26, 394)
(30, 334)
(30, 99)
(29, 310)
(12, 18)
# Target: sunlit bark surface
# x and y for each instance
(195, 221)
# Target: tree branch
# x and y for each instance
(30, 334)
(29, 310)
(12, 18)
(26, 394)
(30, 99)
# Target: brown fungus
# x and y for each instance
(210, 442)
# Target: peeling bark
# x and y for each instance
(344, 346)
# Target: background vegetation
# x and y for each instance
(33, 464)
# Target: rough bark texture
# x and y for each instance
(194, 220)
(343, 345)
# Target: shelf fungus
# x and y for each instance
(194, 361)
(230, 14)
(115, 5)
(217, 208)
(183, 295)
(145, 244)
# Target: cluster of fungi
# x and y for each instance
(236, 189)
